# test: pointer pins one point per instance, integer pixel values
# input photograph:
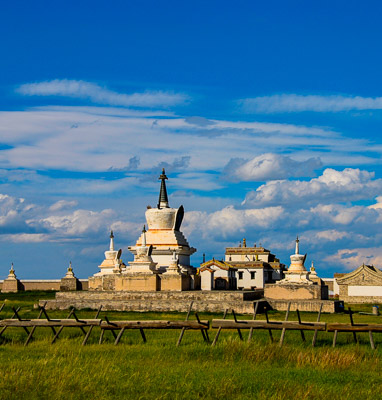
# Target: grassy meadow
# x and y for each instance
(160, 370)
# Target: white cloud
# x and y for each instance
(354, 257)
(97, 94)
(79, 222)
(230, 221)
(62, 205)
(25, 238)
(91, 140)
(269, 166)
(298, 103)
(331, 235)
(332, 186)
(21, 221)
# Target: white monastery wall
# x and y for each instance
(246, 282)
(365, 291)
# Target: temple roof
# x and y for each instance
(366, 272)
(221, 264)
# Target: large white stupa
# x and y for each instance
(164, 234)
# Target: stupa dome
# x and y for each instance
(164, 217)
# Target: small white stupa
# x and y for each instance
(297, 273)
(174, 265)
(11, 284)
(142, 259)
(69, 273)
(112, 262)
(12, 274)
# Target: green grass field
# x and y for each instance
(160, 370)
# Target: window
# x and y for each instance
(253, 274)
(240, 273)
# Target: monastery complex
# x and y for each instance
(161, 276)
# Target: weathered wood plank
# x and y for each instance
(155, 324)
(354, 328)
(24, 323)
(258, 324)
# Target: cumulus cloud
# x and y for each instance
(21, 221)
(332, 235)
(269, 166)
(231, 221)
(285, 103)
(101, 95)
(354, 257)
(351, 184)
(79, 222)
(14, 213)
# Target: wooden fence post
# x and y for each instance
(19, 318)
(266, 317)
(352, 323)
(316, 331)
(254, 317)
(13, 316)
(62, 327)
(284, 329)
(33, 328)
(299, 321)
(219, 329)
(91, 327)
(184, 329)
(238, 330)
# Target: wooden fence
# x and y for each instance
(118, 327)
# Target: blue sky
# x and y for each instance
(266, 116)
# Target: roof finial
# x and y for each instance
(111, 241)
(163, 199)
(297, 246)
(12, 270)
(144, 236)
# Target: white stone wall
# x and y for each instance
(206, 278)
(247, 282)
(374, 291)
(336, 288)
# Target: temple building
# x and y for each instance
(161, 255)
(217, 275)
(255, 266)
(363, 285)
